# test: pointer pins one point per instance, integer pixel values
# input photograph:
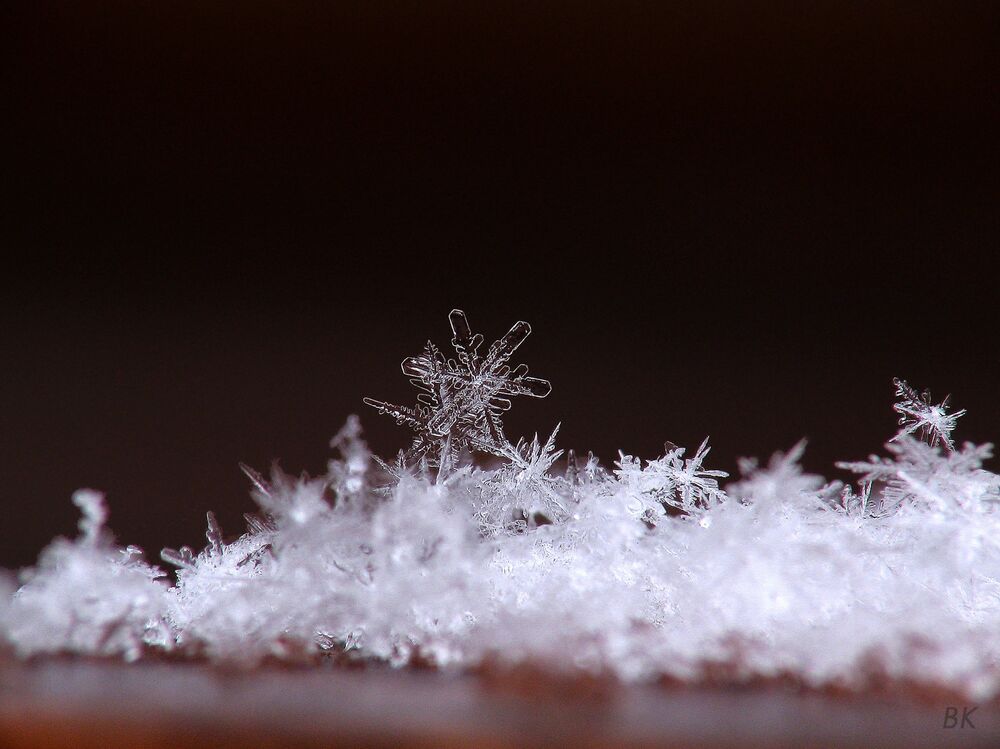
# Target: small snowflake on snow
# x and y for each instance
(695, 485)
(919, 413)
(681, 483)
(461, 400)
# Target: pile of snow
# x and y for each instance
(642, 570)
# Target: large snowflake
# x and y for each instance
(461, 401)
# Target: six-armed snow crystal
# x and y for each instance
(460, 402)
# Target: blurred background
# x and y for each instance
(226, 223)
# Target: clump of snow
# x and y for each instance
(88, 596)
(646, 569)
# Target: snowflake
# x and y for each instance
(683, 484)
(522, 494)
(461, 401)
(918, 413)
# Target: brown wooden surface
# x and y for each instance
(87, 704)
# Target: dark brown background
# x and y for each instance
(230, 221)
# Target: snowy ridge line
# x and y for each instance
(649, 569)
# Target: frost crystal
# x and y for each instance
(461, 400)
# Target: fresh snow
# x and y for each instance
(645, 569)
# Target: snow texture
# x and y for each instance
(645, 569)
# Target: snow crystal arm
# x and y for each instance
(214, 533)
(495, 437)
(463, 340)
(503, 349)
(401, 414)
(427, 367)
(534, 387)
(260, 484)
(182, 558)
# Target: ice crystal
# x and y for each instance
(649, 569)
(461, 400)
(673, 481)
(918, 413)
